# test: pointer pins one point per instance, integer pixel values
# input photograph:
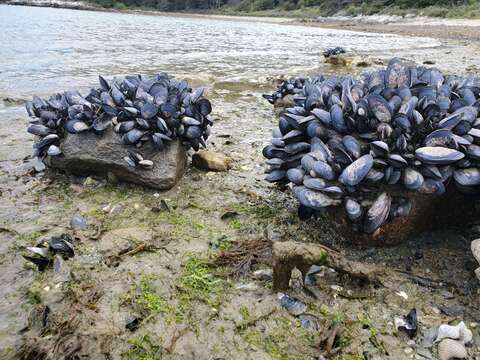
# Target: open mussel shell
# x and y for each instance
(41, 262)
(62, 245)
(378, 213)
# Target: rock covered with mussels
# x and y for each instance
(350, 141)
(157, 109)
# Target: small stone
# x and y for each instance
(248, 286)
(475, 247)
(263, 274)
(408, 351)
(116, 209)
(336, 288)
(435, 310)
(425, 353)
(447, 295)
(76, 188)
(78, 222)
(454, 311)
(90, 182)
(38, 165)
(429, 337)
(429, 62)
(211, 161)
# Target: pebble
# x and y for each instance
(454, 311)
(211, 161)
(38, 165)
(248, 286)
(425, 353)
(336, 288)
(408, 351)
(447, 295)
(429, 337)
(90, 182)
(263, 274)
(78, 222)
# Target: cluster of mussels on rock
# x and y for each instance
(352, 140)
(158, 109)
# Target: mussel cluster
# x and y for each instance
(158, 109)
(334, 51)
(53, 251)
(288, 87)
(352, 141)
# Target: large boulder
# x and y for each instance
(428, 212)
(90, 154)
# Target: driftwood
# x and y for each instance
(290, 254)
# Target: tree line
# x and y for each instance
(328, 7)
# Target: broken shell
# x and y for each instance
(475, 247)
(451, 349)
(458, 332)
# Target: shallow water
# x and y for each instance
(45, 49)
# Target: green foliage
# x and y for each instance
(199, 281)
(309, 8)
(144, 298)
(143, 348)
(34, 294)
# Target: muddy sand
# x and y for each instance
(464, 30)
(189, 272)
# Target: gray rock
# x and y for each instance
(429, 337)
(425, 353)
(454, 310)
(88, 154)
(78, 222)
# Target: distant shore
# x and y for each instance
(450, 29)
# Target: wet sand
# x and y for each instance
(464, 30)
(191, 308)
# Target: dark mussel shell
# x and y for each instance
(378, 213)
(354, 173)
(438, 155)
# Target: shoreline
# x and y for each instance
(438, 28)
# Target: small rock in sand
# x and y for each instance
(211, 161)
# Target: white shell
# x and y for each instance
(43, 252)
(466, 334)
(146, 163)
(475, 247)
(451, 349)
(459, 332)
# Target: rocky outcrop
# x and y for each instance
(89, 154)
(428, 212)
